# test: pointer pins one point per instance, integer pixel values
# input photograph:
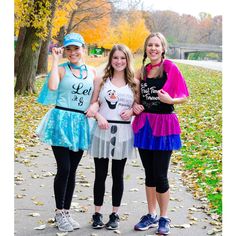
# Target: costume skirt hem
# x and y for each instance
(116, 142)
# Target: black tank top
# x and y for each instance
(149, 97)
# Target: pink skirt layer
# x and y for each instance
(161, 124)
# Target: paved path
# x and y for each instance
(212, 65)
(34, 173)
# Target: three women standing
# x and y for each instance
(156, 127)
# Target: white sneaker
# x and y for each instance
(62, 222)
(74, 223)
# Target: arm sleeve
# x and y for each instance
(175, 85)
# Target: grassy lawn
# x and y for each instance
(200, 119)
(201, 122)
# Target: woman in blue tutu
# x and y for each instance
(69, 86)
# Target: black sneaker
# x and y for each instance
(113, 222)
(97, 221)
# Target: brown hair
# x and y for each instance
(129, 70)
(164, 46)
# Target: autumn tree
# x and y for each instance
(210, 29)
(35, 15)
(42, 67)
(216, 36)
(85, 16)
(130, 30)
(186, 28)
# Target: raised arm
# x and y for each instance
(56, 72)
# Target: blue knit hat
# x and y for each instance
(73, 39)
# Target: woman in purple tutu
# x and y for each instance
(156, 127)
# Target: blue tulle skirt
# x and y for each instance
(65, 128)
(146, 140)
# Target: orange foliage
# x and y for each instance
(131, 32)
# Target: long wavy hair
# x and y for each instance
(164, 46)
(129, 70)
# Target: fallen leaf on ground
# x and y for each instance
(183, 226)
(41, 227)
(34, 214)
(62, 234)
(38, 203)
(134, 190)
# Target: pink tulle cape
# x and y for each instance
(175, 85)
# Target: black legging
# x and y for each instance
(156, 164)
(64, 182)
(117, 171)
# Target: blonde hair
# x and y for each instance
(164, 46)
(129, 70)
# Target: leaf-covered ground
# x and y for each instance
(201, 123)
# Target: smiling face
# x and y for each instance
(118, 61)
(154, 49)
(74, 53)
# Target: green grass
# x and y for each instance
(201, 122)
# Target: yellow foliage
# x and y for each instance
(94, 34)
(34, 14)
(62, 15)
(131, 32)
(94, 30)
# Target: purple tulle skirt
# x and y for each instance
(157, 131)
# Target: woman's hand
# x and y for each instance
(137, 108)
(102, 122)
(126, 114)
(92, 110)
(57, 53)
(165, 97)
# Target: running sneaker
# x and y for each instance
(74, 223)
(163, 226)
(113, 222)
(146, 222)
(62, 222)
(97, 221)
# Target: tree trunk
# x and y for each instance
(60, 35)
(28, 64)
(43, 56)
(19, 45)
(70, 26)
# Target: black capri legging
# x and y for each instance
(64, 182)
(156, 164)
(117, 171)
